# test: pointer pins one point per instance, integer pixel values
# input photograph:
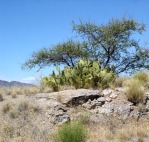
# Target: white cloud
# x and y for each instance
(30, 79)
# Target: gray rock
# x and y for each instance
(87, 105)
(147, 105)
(122, 109)
(108, 99)
(59, 119)
(107, 92)
(113, 95)
(101, 99)
(114, 108)
(107, 109)
(78, 97)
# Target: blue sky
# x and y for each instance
(29, 25)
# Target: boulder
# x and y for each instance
(101, 99)
(76, 97)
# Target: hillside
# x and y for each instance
(14, 83)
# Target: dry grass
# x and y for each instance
(59, 97)
(14, 95)
(1, 97)
(6, 107)
(46, 90)
(142, 76)
(67, 87)
(20, 121)
(119, 81)
(130, 132)
(135, 90)
(84, 118)
(14, 91)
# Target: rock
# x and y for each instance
(106, 109)
(106, 92)
(108, 99)
(77, 97)
(89, 101)
(60, 119)
(113, 96)
(87, 105)
(99, 103)
(147, 94)
(120, 89)
(114, 108)
(145, 99)
(101, 99)
(92, 105)
(122, 109)
(147, 106)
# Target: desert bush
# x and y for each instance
(71, 132)
(14, 95)
(23, 106)
(16, 90)
(7, 131)
(1, 97)
(119, 81)
(13, 113)
(7, 91)
(35, 108)
(6, 107)
(134, 90)
(142, 76)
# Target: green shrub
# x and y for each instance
(134, 91)
(71, 132)
(85, 74)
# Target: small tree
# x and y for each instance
(112, 44)
(67, 53)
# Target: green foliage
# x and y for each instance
(113, 44)
(134, 90)
(85, 74)
(67, 53)
(53, 81)
(71, 132)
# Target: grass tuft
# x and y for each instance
(6, 107)
(134, 90)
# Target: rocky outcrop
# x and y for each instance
(72, 97)
(108, 102)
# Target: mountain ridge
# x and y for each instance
(4, 83)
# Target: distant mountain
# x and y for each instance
(14, 84)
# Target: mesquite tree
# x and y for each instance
(112, 44)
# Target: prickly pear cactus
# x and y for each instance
(86, 74)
